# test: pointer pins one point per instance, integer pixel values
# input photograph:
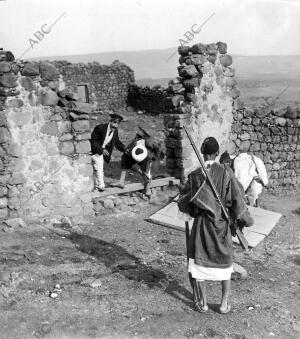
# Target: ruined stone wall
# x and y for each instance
(273, 136)
(108, 85)
(203, 96)
(45, 165)
(150, 100)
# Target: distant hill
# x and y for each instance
(154, 64)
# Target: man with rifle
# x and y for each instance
(212, 196)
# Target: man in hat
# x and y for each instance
(210, 246)
(103, 140)
(141, 152)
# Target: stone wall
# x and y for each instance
(203, 97)
(273, 136)
(154, 100)
(108, 85)
(45, 164)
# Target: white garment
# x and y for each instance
(108, 137)
(209, 273)
(97, 161)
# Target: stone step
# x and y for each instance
(169, 181)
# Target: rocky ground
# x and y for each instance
(118, 276)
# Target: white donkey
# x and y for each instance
(250, 172)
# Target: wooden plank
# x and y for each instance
(264, 221)
(169, 181)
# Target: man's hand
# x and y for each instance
(105, 152)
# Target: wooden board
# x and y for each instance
(264, 221)
(170, 181)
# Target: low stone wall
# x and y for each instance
(45, 165)
(154, 100)
(108, 85)
(273, 136)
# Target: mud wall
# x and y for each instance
(108, 85)
(45, 165)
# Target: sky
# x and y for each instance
(250, 27)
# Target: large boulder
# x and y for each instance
(48, 71)
(30, 69)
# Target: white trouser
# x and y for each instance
(97, 161)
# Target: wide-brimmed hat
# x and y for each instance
(139, 153)
(114, 116)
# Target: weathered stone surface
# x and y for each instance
(3, 202)
(66, 137)
(17, 178)
(30, 69)
(48, 71)
(3, 191)
(8, 80)
(27, 83)
(14, 103)
(226, 60)
(108, 204)
(222, 47)
(50, 128)
(198, 48)
(15, 222)
(66, 148)
(5, 67)
(49, 98)
(80, 126)
(4, 135)
(83, 136)
(75, 116)
(83, 147)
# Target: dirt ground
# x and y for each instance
(142, 288)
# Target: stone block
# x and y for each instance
(74, 116)
(48, 71)
(66, 148)
(17, 178)
(50, 128)
(83, 147)
(5, 67)
(14, 103)
(8, 80)
(83, 136)
(86, 170)
(222, 47)
(3, 213)
(3, 202)
(66, 137)
(3, 191)
(4, 135)
(198, 48)
(188, 71)
(30, 69)
(245, 136)
(81, 126)
(27, 83)
(49, 98)
(226, 60)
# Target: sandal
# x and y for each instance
(226, 311)
(200, 308)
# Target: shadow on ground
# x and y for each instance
(120, 260)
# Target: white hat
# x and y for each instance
(139, 153)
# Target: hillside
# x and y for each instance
(258, 76)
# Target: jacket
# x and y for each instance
(98, 137)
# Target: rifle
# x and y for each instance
(234, 230)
